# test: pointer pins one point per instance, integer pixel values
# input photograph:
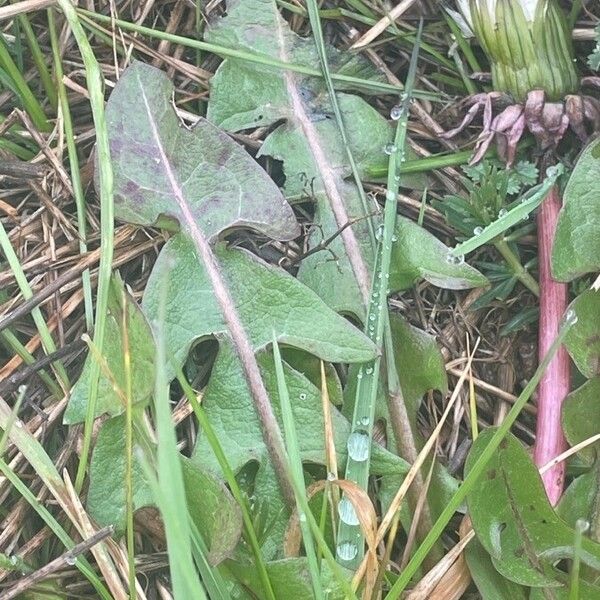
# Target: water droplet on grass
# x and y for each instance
(358, 446)
(347, 550)
(571, 317)
(454, 259)
(347, 512)
(396, 112)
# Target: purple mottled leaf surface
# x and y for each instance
(162, 168)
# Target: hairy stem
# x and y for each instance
(554, 384)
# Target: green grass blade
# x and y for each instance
(95, 85)
(39, 60)
(315, 23)
(295, 465)
(374, 86)
(168, 486)
(78, 192)
(229, 475)
(36, 313)
(350, 547)
(459, 497)
(19, 84)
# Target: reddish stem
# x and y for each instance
(555, 382)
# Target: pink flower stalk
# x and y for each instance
(555, 382)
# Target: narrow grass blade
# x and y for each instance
(376, 86)
(19, 84)
(12, 419)
(350, 546)
(229, 475)
(36, 313)
(315, 23)
(39, 60)
(459, 497)
(95, 85)
(295, 464)
(168, 486)
(78, 192)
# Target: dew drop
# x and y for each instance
(390, 195)
(379, 233)
(347, 512)
(358, 446)
(478, 231)
(302, 396)
(454, 259)
(394, 238)
(331, 476)
(70, 559)
(371, 317)
(582, 525)
(503, 212)
(571, 317)
(396, 112)
(13, 560)
(347, 550)
(19, 424)
(364, 421)
(369, 370)
(302, 518)
(390, 149)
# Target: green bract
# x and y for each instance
(528, 44)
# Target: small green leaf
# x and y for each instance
(419, 362)
(420, 255)
(576, 249)
(581, 417)
(106, 493)
(142, 353)
(583, 339)
(514, 521)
